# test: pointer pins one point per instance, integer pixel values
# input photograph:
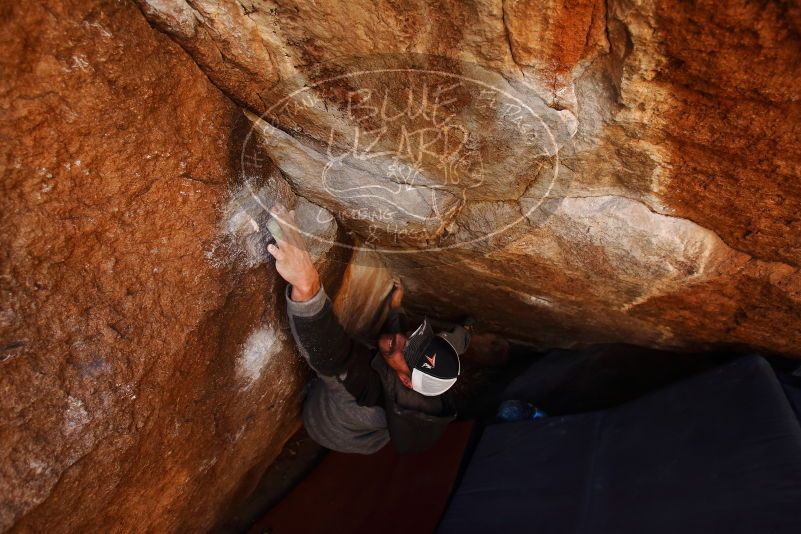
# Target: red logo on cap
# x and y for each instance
(432, 360)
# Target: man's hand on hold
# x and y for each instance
(292, 260)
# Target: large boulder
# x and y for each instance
(568, 172)
(147, 372)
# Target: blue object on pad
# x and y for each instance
(512, 411)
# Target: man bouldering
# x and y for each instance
(365, 396)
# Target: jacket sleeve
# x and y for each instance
(320, 338)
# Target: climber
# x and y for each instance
(364, 396)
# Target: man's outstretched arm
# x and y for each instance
(320, 337)
(292, 260)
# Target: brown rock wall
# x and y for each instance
(144, 368)
(674, 136)
(626, 171)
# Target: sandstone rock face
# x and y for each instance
(566, 171)
(146, 368)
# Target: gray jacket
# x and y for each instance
(357, 403)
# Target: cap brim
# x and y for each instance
(417, 342)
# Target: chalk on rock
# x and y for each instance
(318, 227)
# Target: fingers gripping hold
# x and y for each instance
(288, 233)
(277, 253)
(292, 260)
